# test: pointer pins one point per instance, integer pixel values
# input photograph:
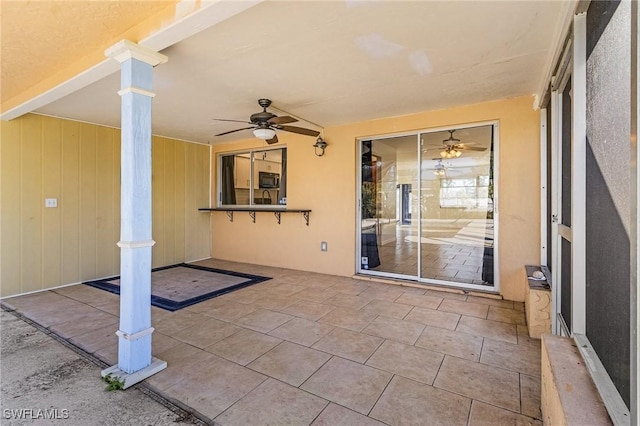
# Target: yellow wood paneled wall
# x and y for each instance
(79, 164)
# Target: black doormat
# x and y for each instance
(177, 286)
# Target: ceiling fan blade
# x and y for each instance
(233, 131)
(299, 130)
(473, 148)
(282, 120)
(232, 121)
(273, 140)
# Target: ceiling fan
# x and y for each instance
(453, 148)
(265, 124)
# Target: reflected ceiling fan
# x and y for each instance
(453, 148)
(265, 124)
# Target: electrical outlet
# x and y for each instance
(50, 202)
(323, 246)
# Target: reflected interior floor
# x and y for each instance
(443, 258)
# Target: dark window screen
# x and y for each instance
(607, 202)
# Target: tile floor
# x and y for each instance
(306, 348)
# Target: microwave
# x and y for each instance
(268, 180)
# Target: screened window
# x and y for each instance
(253, 178)
(464, 193)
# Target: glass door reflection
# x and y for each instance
(456, 204)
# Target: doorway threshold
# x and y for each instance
(490, 294)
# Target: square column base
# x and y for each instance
(138, 376)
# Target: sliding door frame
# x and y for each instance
(496, 196)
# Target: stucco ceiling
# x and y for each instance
(41, 37)
(336, 62)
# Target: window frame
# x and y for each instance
(252, 156)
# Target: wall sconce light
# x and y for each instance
(320, 144)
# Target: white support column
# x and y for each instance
(135, 362)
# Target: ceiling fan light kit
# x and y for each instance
(264, 134)
(450, 152)
(264, 125)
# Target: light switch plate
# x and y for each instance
(50, 202)
(323, 246)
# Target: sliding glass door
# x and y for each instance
(389, 206)
(427, 207)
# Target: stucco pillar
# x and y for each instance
(135, 362)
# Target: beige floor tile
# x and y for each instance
(204, 307)
(507, 304)
(390, 328)
(525, 340)
(94, 319)
(274, 403)
(57, 313)
(349, 287)
(113, 308)
(510, 316)
(407, 361)
(244, 346)
(464, 308)
(230, 311)
(97, 339)
(335, 415)
(37, 301)
(173, 324)
(389, 309)
(290, 363)
(213, 386)
(108, 354)
(446, 295)
(315, 294)
(207, 333)
(308, 310)
(348, 318)
(273, 302)
(246, 296)
(530, 396)
(486, 328)
(387, 292)
(157, 314)
(406, 402)
(518, 306)
(302, 331)
(263, 320)
(432, 317)
(451, 342)
(413, 290)
(479, 381)
(349, 344)
(161, 343)
(350, 301)
(430, 302)
(523, 359)
(87, 294)
(348, 383)
(487, 415)
(285, 290)
(182, 360)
